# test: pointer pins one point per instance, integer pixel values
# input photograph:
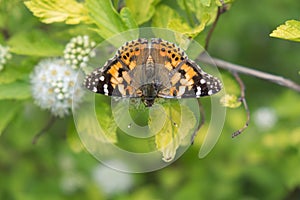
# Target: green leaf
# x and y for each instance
(142, 10)
(8, 109)
(50, 11)
(178, 124)
(203, 10)
(230, 101)
(128, 19)
(184, 28)
(34, 43)
(163, 15)
(107, 19)
(166, 17)
(205, 2)
(227, 2)
(288, 31)
(17, 69)
(29, 120)
(10, 74)
(15, 90)
(106, 119)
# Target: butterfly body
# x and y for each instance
(149, 69)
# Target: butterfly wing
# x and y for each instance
(190, 81)
(184, 77)
(115, 78)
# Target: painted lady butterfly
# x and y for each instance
(150, 69)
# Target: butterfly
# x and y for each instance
(150, 69)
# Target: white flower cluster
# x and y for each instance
(265, 118)
(111, 181)
(4, 56)
(78, 51)
(53, 86)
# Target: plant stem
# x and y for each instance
(243, 100)
(44, 129)
(220, 11)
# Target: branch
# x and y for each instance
(220, 11)
(252, 72)
(44, 129)
(243, 100)
(5, 33)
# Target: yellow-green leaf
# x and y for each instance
(128, 19)
(8, 110)
(15, 90)
(163, 15)
(10, 74)
(178, 123)
(202, 10)
(50, 11)
(205, 2)
(184, 28)
(34, 43)
(106, 119)
(166, 17)
(142, 10)
(107, 19)
(73, 138)
(288, 31)
(230, 101)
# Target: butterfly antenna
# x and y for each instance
(201, 123)
(244, 102)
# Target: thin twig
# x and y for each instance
(44, 130)
(252, 72)
(243, 100)
(220, 11)
(202, 118)
(5, 33)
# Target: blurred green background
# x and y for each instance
(262, 163)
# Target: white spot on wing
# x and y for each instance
(198, 93)
(181, 90)
(121, 89)
(105, 91)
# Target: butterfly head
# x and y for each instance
(148, 101)
(148, 93)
